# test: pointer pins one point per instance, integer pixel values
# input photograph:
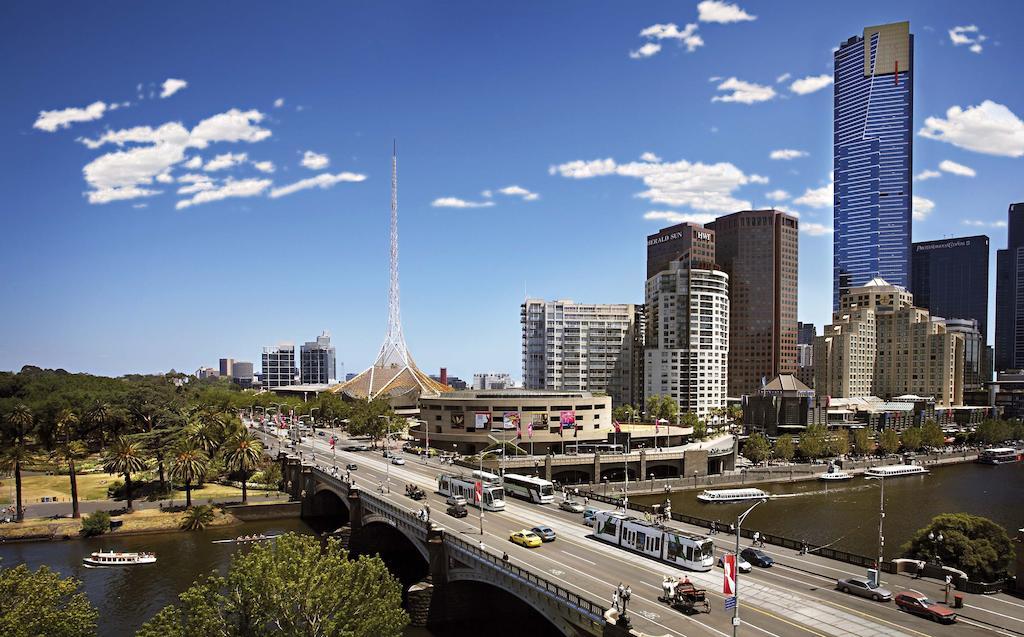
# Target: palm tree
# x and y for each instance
(125, 458)
(243, 452)
(189, 464)
(198, 518)
(15, 452)
(203, 433)
(69, 448)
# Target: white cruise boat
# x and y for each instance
(115, 558)
(731, 495)
(895, 471)
(835, 475)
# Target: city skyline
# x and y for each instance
(495, 147)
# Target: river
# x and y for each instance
(845, 515)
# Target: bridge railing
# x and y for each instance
(593, 610)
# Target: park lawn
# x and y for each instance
(143, 520)
(93, 486)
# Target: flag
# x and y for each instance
(729, 574)
(656, 428)
(529, 429)
(333, 439)
(478, 491)
(618, 429)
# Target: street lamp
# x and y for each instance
(881, 520)
(624, 594)
(936, 541)
(312, 420)
(736, 575)
(387, 447)
(426, 430)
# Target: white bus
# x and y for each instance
(486, 477)
(493, 494)
(536, 490)
(663, 543)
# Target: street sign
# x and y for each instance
(730, 603)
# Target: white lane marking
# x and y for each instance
(580, 558)
(1016, 619)
(985, 627)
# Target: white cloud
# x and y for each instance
(702, 187)
(967, 35)
(232, 126)
(50, 121)
(279, 102)
(984, 224)
(172, 86)
(678, 217)
(645, 51)
(954, 168)
(649, 157)
(226, 160)
(777, 195)
(721, 12)
(195, 163)
(921, 208)
(169, 133)
(106, 195)
(988, 128)
(165, 178)
(782, 78)
(191, 178)
(455, 202)
(519, 191)
(198, 186)
(688, 36)
(925, 175)
(823, 197)
(323, 180)
(743, 92)
(264, 166)
(315, 161)
(813, 229)
(231, 188)
(810, 84)
(787, 153)
(487, 193)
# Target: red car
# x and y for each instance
(917, 604)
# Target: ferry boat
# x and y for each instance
(116, 558)
(895, 471)
(731, 495)
(835, 475)
(1000, 455)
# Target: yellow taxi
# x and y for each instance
(529, 539)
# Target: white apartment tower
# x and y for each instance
(279, 365)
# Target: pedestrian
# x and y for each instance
(757, 537)
(482, 547)
(586, 500)
(504, 557)
(426, 509)
(615, 598)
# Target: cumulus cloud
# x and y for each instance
(777, 195)
(977, 223)
(989, 128)
(226, 160)
(323, 180)
(743, 92)
(197, 186)
(813, 229)
(279, 102)
(264, 166)
(782, 78)
(687, 37)
(810, 84)
(50, 121)
(645, 51)
(455, 202)
(232, 126)
(172, 86)
(519, 191)
(315, 161)
(823, 197)
(786, 154)
(678, 217)
(954, 168)
(195, 163)
(649, 157)
(106, 195)
(921, 208)
(230, 188)
(967, 35)
(925, 175)
(722, 12)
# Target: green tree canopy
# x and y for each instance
(289, 587)
(911, 438)
(812, 441)
(863, 444)
(889, 441)
(757, 449)
(784, 449)
(932, 435)
(41, 602)
(838, 443)
(189, 464)
(974, 544)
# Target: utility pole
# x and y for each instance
(736, 580)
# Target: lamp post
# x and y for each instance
(936, 541)
(387, 453)
(312, 420)
(658, 423)
(736, 580)
(881, 521)
(624, 594)
(625, 478)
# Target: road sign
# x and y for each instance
(730, 603)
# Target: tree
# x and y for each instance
(991, 432)
(152, 405)
(862, 442)
(268, 591)
(757, 448)
(735, 415)
(96, 523)
(784, 448)
(889, 441)
(975, 545)
(125, 458)
(69, 448)
(812, 441)
(242, 453)
(911, 438)
(15, 452)
(41, 602)
(189, 466)
(622, 413)
(197, 518)
(932, 435)
(838, 443)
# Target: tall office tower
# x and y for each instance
(241, 373)
(758, 250)
(493, 380)
(975, 351)
(278, 365)
(635, 395)
(687, 344)
(693, 240)
(1010, 294)
(580, 346)
(227, 367)
(805, 333)
(950, 279)
(317, 362)
(872, 158)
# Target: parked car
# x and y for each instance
(546, 533)
(529, 539)
(741, 564)
(352, 466)
(588, 516)
(353, 448)
(571, 506)
(457, 511)
(864, 587)
(397, 460)
(455, 500)
(757, 557)
(918, 604)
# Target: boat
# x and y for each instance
(117, 558)
(895, 471)
(731, 495)
(835, 475)
(1000, 455)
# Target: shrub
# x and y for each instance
(197, 518)
(96, 523)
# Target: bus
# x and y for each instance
(493, 494)
(486, 477)
(530, 488)
(663, 543)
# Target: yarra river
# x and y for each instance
(846, 515)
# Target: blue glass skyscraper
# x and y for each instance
(872, 157)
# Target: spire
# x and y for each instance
(394, 350)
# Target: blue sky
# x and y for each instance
(598, 119)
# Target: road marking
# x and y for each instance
(1016, 619)
(783, 620)
(1006, 601)
(580, 558)
(985, 626)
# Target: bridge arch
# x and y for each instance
(470, 591)
(405, 556)
(331, 504)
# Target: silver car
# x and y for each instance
(864, 587)
(571, 506)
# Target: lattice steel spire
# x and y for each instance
(394, 350)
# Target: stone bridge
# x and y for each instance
(447, 578)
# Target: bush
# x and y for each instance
(96, 523)
(974, 544)
(115, 489)
(197, 518)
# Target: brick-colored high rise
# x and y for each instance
(759, 250)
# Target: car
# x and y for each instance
(457, 511)
(455, 500)
(742, 564)
(757, 557)
(529, 539)
(397, 460)
(352, 448)
(918, 604)
(387, 454)
(545, 533)
(321, 433)
(571, 506)
(864, 587)
(352, 466)
(588, 516)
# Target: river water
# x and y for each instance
(845, 515)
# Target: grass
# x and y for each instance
(141, 520)
(93, 486)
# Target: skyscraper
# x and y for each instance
(317, 361)
(805, 333)
(670, 244)
(758, 250)
(873, 158)
(279, 365)
(1009, 295)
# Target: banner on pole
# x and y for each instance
(478, 491)
(729, 574)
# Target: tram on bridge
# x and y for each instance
(491, 497)
(663, 543)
